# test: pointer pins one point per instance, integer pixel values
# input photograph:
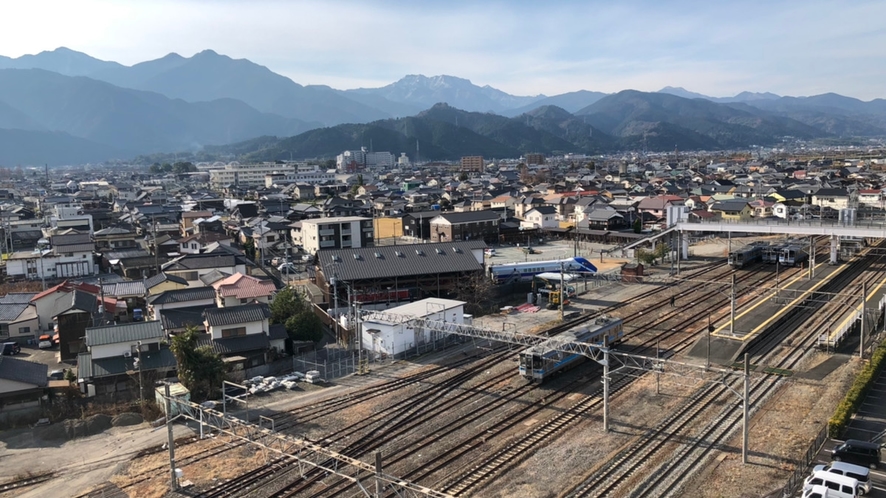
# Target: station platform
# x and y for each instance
(725, 347)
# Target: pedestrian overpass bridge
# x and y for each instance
(835, 229)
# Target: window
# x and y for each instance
(270, 238)
(193, 246)
(189, 275)
(24, 330)
(244, 300)
(69, 254)
(236, 332)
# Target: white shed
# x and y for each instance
(387, 337)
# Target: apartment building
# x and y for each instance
(472, 163)
(336, 233)
(247, 175)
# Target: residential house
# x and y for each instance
(242, 289)
(114, 239)
(834, 198)
(871, 197)
(657, 206)
(192, 266)
(188, 217)
(541, 217)
(473, 225)
(163, 282)
(79, 310)
(199, 297)
(733, 210)
(605, 218)
(115, 351)
(239, 331)
(19, 321)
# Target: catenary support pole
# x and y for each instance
(605, 389)
(562, 290)
(732, 309)
(864, 301)
(745, 409)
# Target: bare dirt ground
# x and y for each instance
(779, 434)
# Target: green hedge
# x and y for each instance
(857, 392)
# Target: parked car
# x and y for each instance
(837, 485)
(137, 315)
(857, 472)
(287, 267)
(11, 348)
(44, 341)
(279, 260)
(857, 452)
(57, 375)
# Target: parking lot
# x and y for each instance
(48, 357)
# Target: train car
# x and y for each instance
(525, 272)
(771, 253)
(538, 363)
(792, 255)
(746, 255)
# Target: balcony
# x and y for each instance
(327, 243)
(327, 232)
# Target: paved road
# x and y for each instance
(867, 424)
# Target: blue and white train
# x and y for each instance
(538, 363)
(524, 272)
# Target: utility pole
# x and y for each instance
(334, 283)
(156, 247)
(173, 484)
(141, 384)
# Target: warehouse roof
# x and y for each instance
(131, 332)
(401, 261)
(238, 314)
(28, 372)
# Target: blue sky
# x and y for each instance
(521, 47)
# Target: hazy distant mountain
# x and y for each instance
(571, 102)
(682, 92)
(688, 122)
(28, 147)
(61, 60)
(424, 91)
(570, 128)
(210, 76)
(125, 120)
(741, 97)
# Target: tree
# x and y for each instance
(249, 247)
(638, 226)
(305, 326)
(359, 180)
(462, 177)
(199, 368)
(476, 291)
(286, 304)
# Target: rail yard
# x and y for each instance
(463, 421)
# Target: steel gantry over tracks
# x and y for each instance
(626, 363)
(306, 454)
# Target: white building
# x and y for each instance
(355, 160)
(123, 340)
(246, 175)
(336, 233)
(540, 217)
(386, 337)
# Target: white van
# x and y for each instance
(838, 486)
(817, 491)
(862, 474)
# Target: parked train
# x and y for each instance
(524, 272)
(792, 255)
(538, 363)
(747, 255)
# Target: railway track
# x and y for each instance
(631, 460)
(546, 431)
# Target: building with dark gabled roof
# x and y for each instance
(400, 273)
(469, 225)
(22, 383)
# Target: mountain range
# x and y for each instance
(64, 106)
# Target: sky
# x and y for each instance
(521, 47)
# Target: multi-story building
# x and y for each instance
(336, 233)
(351, 161)
(306, 177)
(472, 163)
(246, 175)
